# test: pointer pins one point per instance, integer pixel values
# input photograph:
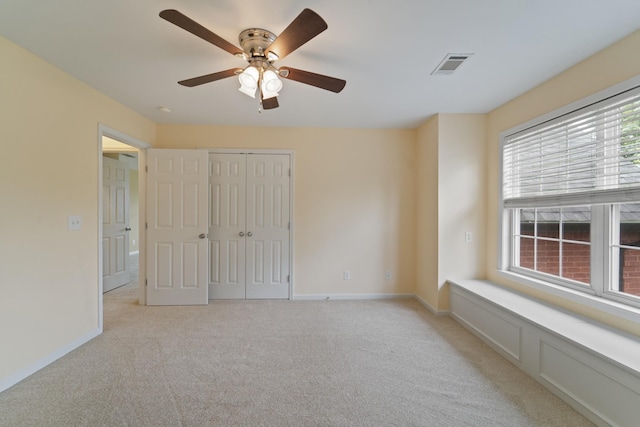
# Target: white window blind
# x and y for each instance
(589, 156)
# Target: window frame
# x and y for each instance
(596, 295)
(540, 275)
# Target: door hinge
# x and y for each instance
(288, 278)
(146, 282)
(289, 226)
(146, 225)
(146, 168)
(289, 171)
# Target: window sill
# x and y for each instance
(613, 308)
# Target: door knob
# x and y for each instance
(249, 234)
(242, 234)
(127, 229)
(202, 236)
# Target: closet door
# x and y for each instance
(267, 226)
(249, 226)
(227, 201)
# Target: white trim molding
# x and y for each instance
(319, 297)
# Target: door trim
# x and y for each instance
(291, 153)
(104, 130)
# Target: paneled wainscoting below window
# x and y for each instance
(594, 368)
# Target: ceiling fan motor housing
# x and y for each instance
(255, 41)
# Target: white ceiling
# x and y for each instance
(385, 50)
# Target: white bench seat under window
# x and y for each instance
(594, 368)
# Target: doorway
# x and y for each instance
(113, 143)
(120, 211)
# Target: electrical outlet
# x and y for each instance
(467, 236)
(346, 275)
(387, 275)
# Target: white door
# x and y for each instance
(249, 228)
(227, 198)
(177, 211)
(115, 224)
(267, 237)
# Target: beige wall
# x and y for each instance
(613, 65)
(461, 199)
(427, 211)
(354, 202)
(451, 201)
(49, 139)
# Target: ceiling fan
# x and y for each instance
(261, 48)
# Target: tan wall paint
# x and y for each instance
(461, 199)
(49, 138)
(427, 205)
(354, 201)
(611, 66)
(451, 197)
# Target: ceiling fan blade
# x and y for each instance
(208, 78)
(318, 80)
(193, 27)
(270, 103)
(306, 26)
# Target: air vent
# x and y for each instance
(451, 63)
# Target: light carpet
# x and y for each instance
(281, 363)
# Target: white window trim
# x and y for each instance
(610, 305)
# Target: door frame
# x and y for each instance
(104, 130)
(292, 157)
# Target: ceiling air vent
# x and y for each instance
(450, 63)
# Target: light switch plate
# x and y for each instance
(75, 222)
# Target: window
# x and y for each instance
(571, 199)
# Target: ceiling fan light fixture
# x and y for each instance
(249, 81)
(248, 91)
(249, 77)
(271, 84)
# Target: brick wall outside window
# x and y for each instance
(576, 258)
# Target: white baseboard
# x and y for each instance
(432, 309)
(15, 378)
(317, 297)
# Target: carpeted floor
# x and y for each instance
(281, 363)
